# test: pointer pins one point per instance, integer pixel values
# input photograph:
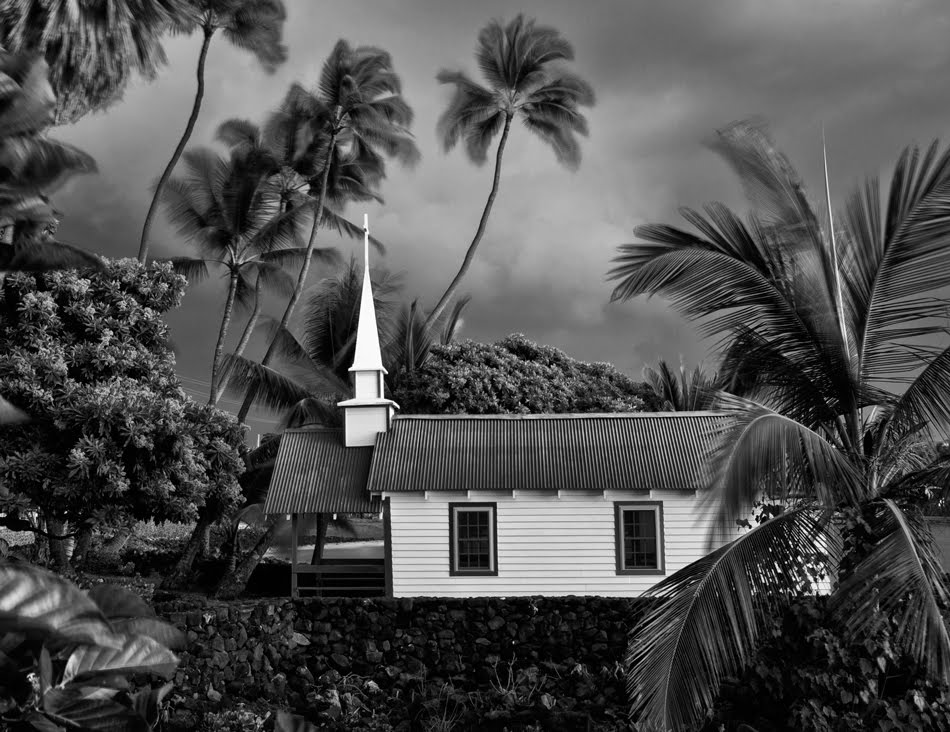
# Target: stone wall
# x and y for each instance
(557, 658)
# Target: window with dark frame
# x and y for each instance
(639, 529)
(472, 539)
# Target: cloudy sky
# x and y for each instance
(666, 74)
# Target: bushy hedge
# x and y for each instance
(806, 677)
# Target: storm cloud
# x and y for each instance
(874, 72)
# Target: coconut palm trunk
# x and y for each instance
(479, 232)
(196, 546)
(223, 334)
(301, 278)
(189, 128)
(234, 582)
(244, 340)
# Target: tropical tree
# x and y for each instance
(253, 25)
(287, 148)
(515, 376)
(524, 65)
(358, 117)
(113, 435)
(681, 390)
(245, 215)
(33, 166)
(92, 48)
(839, 335)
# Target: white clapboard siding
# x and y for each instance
(547, 544)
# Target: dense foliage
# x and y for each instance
(516, 376)
(113, 434)
(833, 684)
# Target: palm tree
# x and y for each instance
(238, 215)
(524, 65)
(284, 149)
(92, 48)
(834, 330)
(682, 390)
(358, 116)
(255, 26)
(31, 167)
(311, 371)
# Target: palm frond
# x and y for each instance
(453, 321)
(194, 270)
(708, 616)
(759, 452)
(257, 26)
(239, 133)
(272, 389)
(44, 255)
(320, 410)
(927, 399)
(897, 256)
(900, 579)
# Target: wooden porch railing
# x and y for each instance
(339, 578)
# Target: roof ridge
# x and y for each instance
(565, 416)
(311, 428)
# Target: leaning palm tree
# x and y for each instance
(524, 65)
(358, 116)
(92, 48)
(681, 390)
(285, 149)
(253, 25)
(237, 214)
(835, 332)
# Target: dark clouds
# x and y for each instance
(666, 74)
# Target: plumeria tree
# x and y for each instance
(837, 334)
(113, 435)
(515, 376)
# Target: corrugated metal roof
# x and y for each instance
(316, 473)
(544, 452)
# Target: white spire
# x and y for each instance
(369, 412)
(367, 356)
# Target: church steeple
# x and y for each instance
(367, 357)
(368, 412)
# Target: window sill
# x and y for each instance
(646, 572)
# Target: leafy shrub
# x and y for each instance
(79, 660)
(806, 677)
